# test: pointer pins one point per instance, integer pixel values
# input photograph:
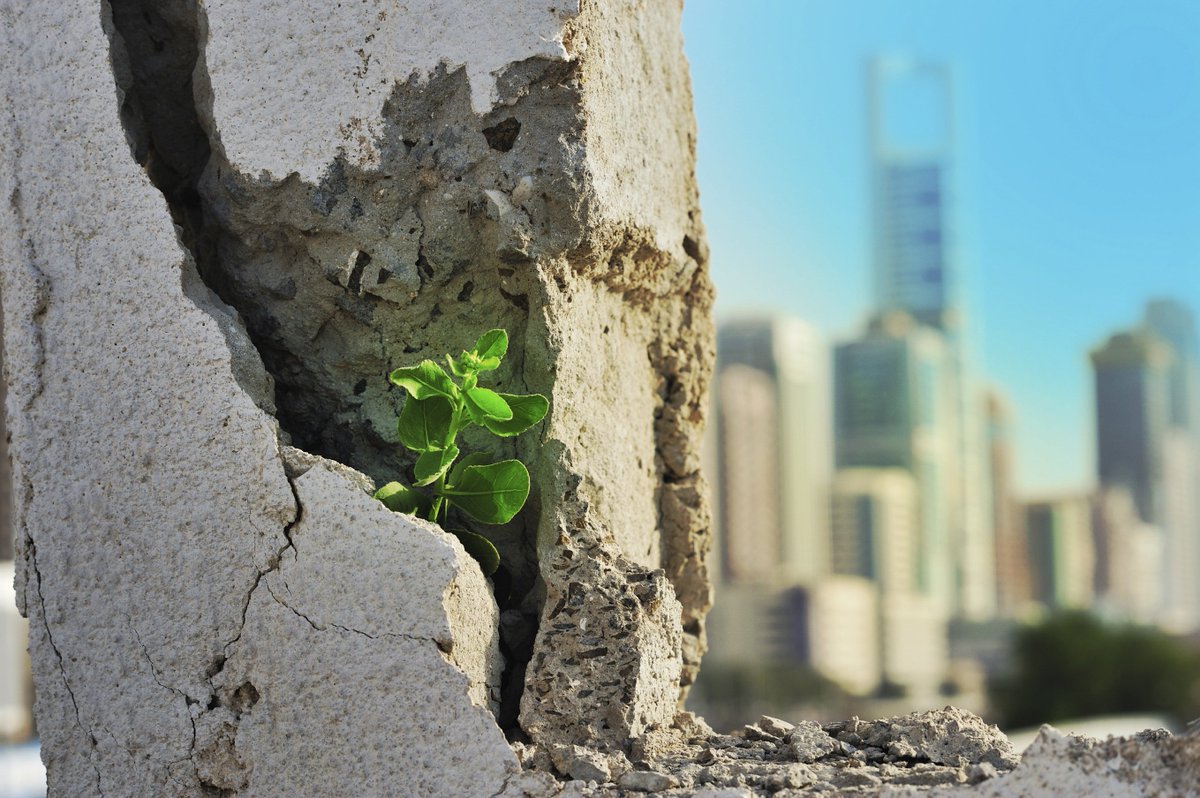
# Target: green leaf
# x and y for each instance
(527, 410)
(474, 458)
(491, 493)
(455, 367)
(480, 548)
(424, 380)
(400, 498)
(493, 343)
(487, 364)
(424, 424)
(431, 465)
(484, 403)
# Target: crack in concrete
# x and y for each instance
(39, 305)
(277, 560)
(153, 668)
(330, 625)
(61, 665)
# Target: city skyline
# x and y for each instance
(1076, 188)
(932, 534)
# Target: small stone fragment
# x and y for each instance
(693, 728)
(948, 736)
(646, 781)
(581, 763)
(523, 190)
(774, 726)
(791, 777)
(808, 742)
(607, 658)
(857, 777)
(980, 772)
(723, 792)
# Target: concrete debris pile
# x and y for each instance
(947, 753)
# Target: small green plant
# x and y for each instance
(436, 410)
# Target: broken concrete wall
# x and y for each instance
(223, 224)
(429, 176)
(548, 191)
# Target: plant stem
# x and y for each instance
(459, 407)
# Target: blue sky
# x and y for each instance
(1077, 184)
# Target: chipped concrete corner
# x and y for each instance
(230, 222)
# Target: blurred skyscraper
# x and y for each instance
(911, 108)
(1013, 588)
(1061, 552)
(875, 535)
(1129, 559)
(892, 396)
(748, 483)
(1146, 434)
(911, 134)
(773, 417)
(771, 458)
(874, 523)
(1132, 413)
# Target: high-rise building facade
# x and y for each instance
(1013, 589)
(1132, 388)
(911, 160)
(747, 434)
(1061, 551)
(875, 536)
(892, 399)
(874, 528)
(1174, 323)
(1147, 392)
(917, 271)
(1129, 562)
(791, 356)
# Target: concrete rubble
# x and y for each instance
(223, 223)
(946, 753)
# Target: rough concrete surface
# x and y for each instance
(429, 219)
(607, 672)
(223, 224)
(165, 597)
(1152, 764)
(372, 625)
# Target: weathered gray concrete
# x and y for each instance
(1153, 764)
(197, 620)
(223, 224)
(550, 193)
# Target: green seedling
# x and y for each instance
(438, 407)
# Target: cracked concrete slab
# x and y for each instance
(378, 629)
(355, 566)
(321, 82)
(158, 168)
(153, 507)
(565, 211)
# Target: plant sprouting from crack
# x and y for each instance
(436, 410)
